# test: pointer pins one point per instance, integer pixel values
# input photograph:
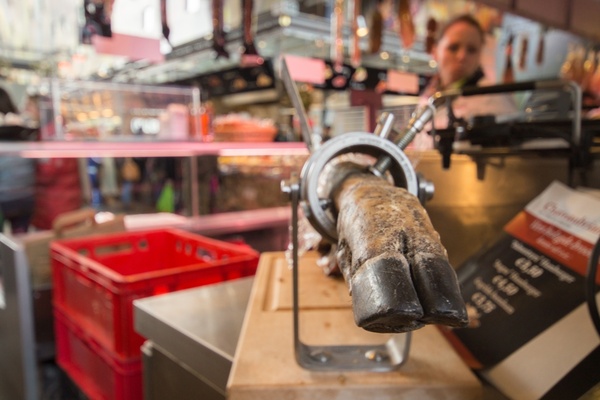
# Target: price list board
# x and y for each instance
(529, 328)
(518, 294)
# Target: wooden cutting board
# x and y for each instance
(264, 366)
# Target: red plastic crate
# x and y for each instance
(96, 278)
(98, 374)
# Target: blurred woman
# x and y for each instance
(458, 53)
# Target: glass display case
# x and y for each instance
(84, 110)
(132, 154)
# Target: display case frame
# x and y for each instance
(110, 111)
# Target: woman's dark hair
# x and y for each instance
(463, 18)
(6, 103)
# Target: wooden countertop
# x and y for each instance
(265, 368)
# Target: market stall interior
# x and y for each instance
(306, 132)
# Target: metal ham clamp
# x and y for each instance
(388, 251)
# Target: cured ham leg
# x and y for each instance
(391, 257)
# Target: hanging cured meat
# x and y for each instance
(487, 17)
(523, 53)
(339, 80)
(360, 74)
(594, 86)
(566, 69)
(509, 74)
(407, 26)
(589, 66)
(539, 57)
(431, 31)
(355, 49)
(108, 9)
(249, 54)
(578, 63)
(375, 31)
(163, 20)
(98, 15)
(218, 31)
(337, 53)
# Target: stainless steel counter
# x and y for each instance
(18, 362)
(196, 328)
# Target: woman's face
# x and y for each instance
(458, 53)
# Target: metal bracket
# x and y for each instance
(383, 357)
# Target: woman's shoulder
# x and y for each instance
(485, 81)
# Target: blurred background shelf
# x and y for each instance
(145, 148)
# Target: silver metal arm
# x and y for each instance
(425, 113)
(417, 122)
(292, 91)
